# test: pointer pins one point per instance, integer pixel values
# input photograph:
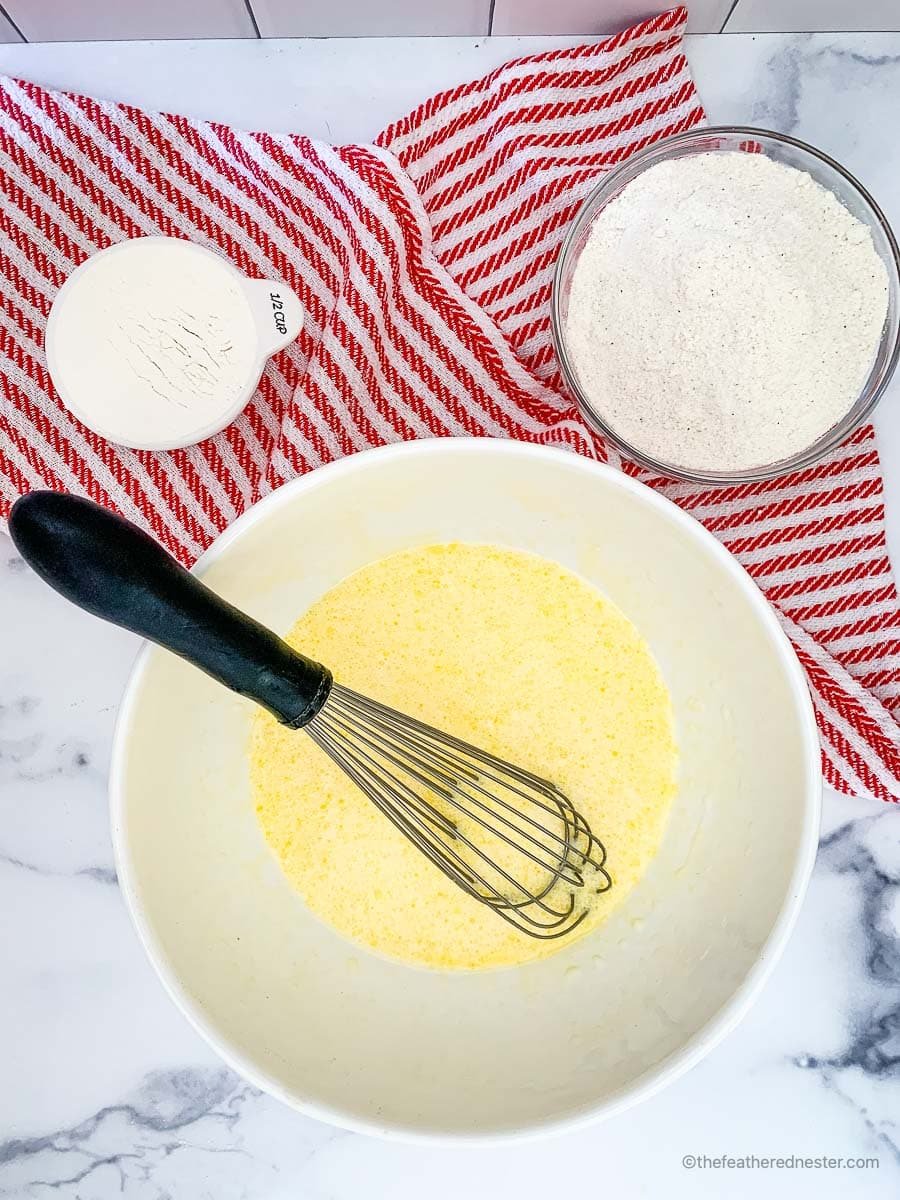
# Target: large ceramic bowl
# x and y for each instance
(377, 1046)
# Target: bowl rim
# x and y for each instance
(698, 1046)
(832, 438)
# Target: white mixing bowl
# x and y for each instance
(376, 1046)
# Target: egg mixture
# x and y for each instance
(512, 653)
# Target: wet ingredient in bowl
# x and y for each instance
(725, 311)
(508, 651)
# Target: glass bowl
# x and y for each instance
(793, 153)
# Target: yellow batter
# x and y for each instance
(512, 653)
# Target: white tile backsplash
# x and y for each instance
(801, 16)
(126, 20)
(597, 16)
(116, 20)
(370, 18)
(8, 32)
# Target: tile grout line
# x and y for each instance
(4, 13)
(729, 15)
(252, 15)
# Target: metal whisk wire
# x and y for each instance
(539, 856)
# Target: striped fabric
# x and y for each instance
(424, 265)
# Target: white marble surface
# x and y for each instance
(104, 1089)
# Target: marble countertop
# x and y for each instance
(106, 1091)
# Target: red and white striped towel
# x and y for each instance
(424, 264)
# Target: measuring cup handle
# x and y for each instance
(277, 313)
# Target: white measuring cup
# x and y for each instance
(78, 343)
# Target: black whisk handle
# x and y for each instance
(111, 568)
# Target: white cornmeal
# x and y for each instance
(725, 311)
(154, 340)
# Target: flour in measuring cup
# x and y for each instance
(725, 311)
(153, 339)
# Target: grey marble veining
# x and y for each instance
(803, 67)
(52, 768)
(106, 1091)
(867, 851)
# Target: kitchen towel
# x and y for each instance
(424, 263)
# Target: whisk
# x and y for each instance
(507, 837)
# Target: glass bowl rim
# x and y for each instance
(833, 437)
